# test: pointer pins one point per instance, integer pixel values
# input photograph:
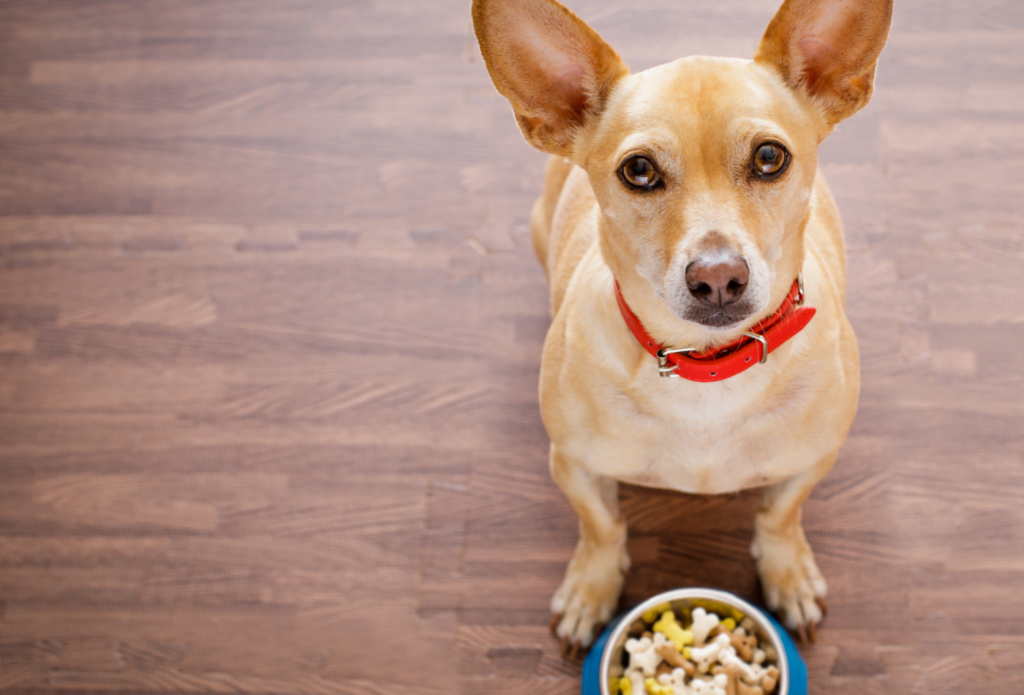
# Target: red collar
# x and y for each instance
(729, 360)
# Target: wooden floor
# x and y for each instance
(270, 330)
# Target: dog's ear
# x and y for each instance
(828, 50)
(556, 71)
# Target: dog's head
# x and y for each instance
(703, 168)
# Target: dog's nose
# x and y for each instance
(718, 283)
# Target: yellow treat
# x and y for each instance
(730, 624)
(652, 614)
(686, 653)
(625, 686)
(671, 629)
(656, 688)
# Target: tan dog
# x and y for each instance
(695, 186)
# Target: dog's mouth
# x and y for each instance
(719, 317)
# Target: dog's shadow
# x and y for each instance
(678, 540)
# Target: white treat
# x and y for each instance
(642, 656)
(703, 624)
(676, 679)
(699, 686)
(716, 686)
(750, 673)
(704, 657)
(660, 639)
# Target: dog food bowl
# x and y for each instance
(606, 654)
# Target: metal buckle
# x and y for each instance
(666, 369)
(800, 285)
(764, 345)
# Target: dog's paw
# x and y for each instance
(589, 594)
(792, 583)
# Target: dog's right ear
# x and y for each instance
(556, 71)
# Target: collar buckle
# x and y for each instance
(764, 345)
(666, 368)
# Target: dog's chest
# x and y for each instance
(707, 462)
(704, 445)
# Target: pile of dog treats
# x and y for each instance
(698, 653)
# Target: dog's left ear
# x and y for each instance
(828, 49)
(554, 69)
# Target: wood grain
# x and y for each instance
(270, 328)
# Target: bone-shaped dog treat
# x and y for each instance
(660, 641)
(770, 680)
(675, 659)
(704, 657)
(662, 644)
(735, 684)
(759, 656)
(642, 656)
(733, 675)
(751, 673)
(677, 680)
(743, 645)
(703, 624)
(699, 686)
(716, 686)
(673, 630)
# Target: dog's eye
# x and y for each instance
(770, 160)
(638, 172)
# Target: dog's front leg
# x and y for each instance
(792, 583)
(593, 580)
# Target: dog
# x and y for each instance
(686, 232)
